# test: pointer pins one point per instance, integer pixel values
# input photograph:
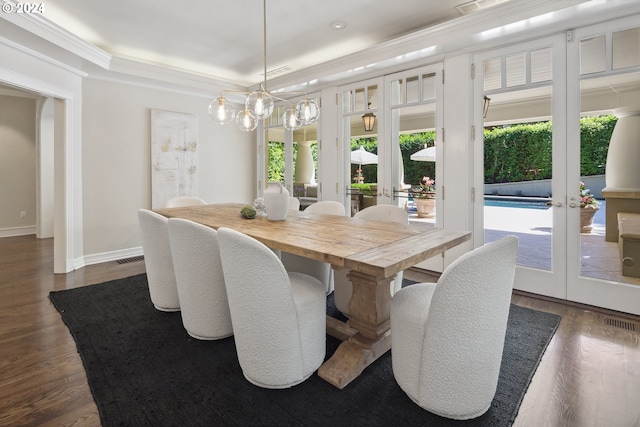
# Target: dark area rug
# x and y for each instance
(145, 370)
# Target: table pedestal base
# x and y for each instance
(367, 334)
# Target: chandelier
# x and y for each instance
(259, 104)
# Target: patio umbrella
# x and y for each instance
(425, 155)
(363, 157)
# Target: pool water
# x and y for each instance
(517, 203)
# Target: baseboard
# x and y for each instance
(112, 256)
(17, 231)
(578, 305)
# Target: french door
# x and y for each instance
(603, 77)
(560, 83)
(523, 85)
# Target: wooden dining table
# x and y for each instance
(373, 251)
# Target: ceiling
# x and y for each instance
(224, 39)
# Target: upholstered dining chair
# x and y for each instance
(447, 337)
(181, 201)
(279, 318)
(200, 281)
(318, 269)
(343, 287)
(294, 204)
(158, 260)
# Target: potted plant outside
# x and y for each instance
(425, 197)
(588, 208)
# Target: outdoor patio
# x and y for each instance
(599, 259)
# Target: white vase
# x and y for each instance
(276, 201)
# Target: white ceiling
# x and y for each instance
(224, 39)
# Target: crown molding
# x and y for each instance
(515, 21)
(47, 30)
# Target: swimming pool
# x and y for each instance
(516, 202)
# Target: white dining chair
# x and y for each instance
(318, 269)
(447, 337)
(279, 318)
(182, 201)
(203, 297)
(343, 289)
(294, 204)
(158, 260)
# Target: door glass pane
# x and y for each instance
(360, 100)
(518, 174)
(592, 55)
(428, 87)
(516, 69)
(541, 65)
(305, 165)
(413, 89)
(372, 98)
(492, 74)
(626, 48)
(600, 255)
(415, 136)
(362, 167)
(275, 158)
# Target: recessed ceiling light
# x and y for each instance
(338, 25)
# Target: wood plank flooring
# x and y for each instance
(589, 375)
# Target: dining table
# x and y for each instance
(372, 251)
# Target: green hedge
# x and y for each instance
(523, 152)
(520, 152)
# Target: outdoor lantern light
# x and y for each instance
(485, 108)
(368, 120)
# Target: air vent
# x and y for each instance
(622, 324)
(132, 259)
(278, 71)
(476, 5)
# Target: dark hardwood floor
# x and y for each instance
(589, 375)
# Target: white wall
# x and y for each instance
(116, 161)
(17, 165)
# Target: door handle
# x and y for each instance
(556, 204)
(574, 205)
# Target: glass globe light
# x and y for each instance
(289, 119)
(307, 111)
(260, 104)
(246, 121)
(221, 112)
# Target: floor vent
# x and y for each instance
(622, 324)
(132, 259)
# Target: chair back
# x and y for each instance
(261, 305)
(199, 278)
(158, 260)
(467, 322)
(343, 289)
(181, 201)
(329, 207)
(384, 213)
(294, 204)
